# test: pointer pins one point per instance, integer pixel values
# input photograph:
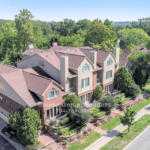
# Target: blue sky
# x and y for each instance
(118, 10)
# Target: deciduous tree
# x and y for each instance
(128, 118)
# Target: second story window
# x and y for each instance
(108, 74)
(109, 61)
(53, 94)
(85, 83)
(85, 68)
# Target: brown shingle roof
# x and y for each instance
(48, 55)
(36, 83)
(6, 69)
(75, 55)
(67, 50)
(22, 82)
(124, 58)
(101, 56)
(16, 80)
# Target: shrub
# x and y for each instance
(64, 121)
(124, 82)
(79, 118)
(119, 99)
(133, 90)
(27, 124)
(128, 118)
(107, 103)
(96, 113)
(97, 94)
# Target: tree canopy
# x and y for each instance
(15, 36)
(27, 124)
(101, 36)
(124, 82)
(132, 38)
(139, 66)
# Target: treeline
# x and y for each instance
(15, 36)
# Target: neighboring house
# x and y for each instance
(78, 70)
(43, 77)
(20, 88)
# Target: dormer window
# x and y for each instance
(52, 94)
(85, 68)
(109, 62)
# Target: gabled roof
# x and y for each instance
(74, 61)
(67, 50)
(22, 82)
(124, 57)
(101, 56)
(48, 55)
(75, 55)
(16, 81)
(36, 83)
(6, 69)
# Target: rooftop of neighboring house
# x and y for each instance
(75, 55)
(124, 57)
(26, 83)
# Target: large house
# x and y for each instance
(43, 77)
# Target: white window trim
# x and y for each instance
(55, 95)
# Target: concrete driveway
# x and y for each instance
(141, 142)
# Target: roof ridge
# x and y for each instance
(36, 75)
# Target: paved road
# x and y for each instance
(112, 134)
(141, 142)
(4, 145)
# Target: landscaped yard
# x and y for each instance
(121, 141)
(147, 87)
(113, 122)
(140, 105)
(93, 136)
(109, 125)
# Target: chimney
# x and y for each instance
(54, 44)
(94, 58)
(64, 72)
(31, 46)
(117, 52)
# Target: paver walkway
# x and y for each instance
(120, 128)
(49, 143)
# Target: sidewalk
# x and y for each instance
(120, 128)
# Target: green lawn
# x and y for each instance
(140, 105)
(147, 87)
(109, 125)
(119, 142)
(113, 122)
(93, 136)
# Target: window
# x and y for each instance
(52, 94)
(48, 113)
(109, 88)
(85, 83)
(109, 62)
(85, 68)
(108, 74)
